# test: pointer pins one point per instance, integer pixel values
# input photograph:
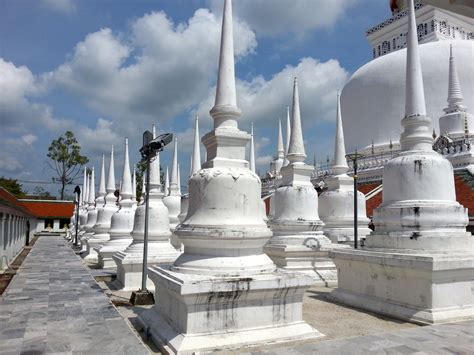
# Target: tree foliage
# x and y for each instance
(65, 159)
(12, 186)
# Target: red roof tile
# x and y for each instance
(50, 209)
(11, 202)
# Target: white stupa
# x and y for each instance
(166, 192)
(130, 261)
(194, 168)
(277, 162)
(253, 170)
(83, 202)
(104, 215)
(418, 264)
(173, 200)
(298, 242)
(224, 292)
(122, 221)
(372, 101)
(134, 189)
(456, 122)
(288, 134)
(90, 202)
(99, 203)
(336, 205)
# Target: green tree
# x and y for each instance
(65, 159)
(140, 175)
(12, 186)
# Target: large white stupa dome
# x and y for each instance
(373, 101)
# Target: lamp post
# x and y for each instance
(149, 150)
(354, 157)
(77, 191)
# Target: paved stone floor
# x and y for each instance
(53, 305)
(453, 338)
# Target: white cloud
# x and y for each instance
(62, 6)
(264, 101)
(298, 17)
(156, 72)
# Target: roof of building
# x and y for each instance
(10, 204)
(49, 209)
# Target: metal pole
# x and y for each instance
(145, 232)
(77, 218)
(355, 202)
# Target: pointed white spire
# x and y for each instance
(416, 133)
(288, 133)
(179, 180)
(340, 164)
(414, 92)
(455, 97)
(296, 152)
(167, 182)
(102, 190)
(126, 190)
(142, 197)
(134, 185)
(84, 184)
(196, 157)
(91, 191)
(252, 149)
(86, 190)
(280, 149)
(155, 179)
(174, 170)
(111, 178)
(225, 91)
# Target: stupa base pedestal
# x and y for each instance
(129, 264)
(300, 258)
(91, 246)
(107, 250)
(205, 313)
(345, 235)
(420, 287)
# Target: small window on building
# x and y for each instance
(64, 223)
(48, 223)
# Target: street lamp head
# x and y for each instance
(152, 146)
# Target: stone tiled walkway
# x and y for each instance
(453, 338)
(53, 305)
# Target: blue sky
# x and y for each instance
(107, 69)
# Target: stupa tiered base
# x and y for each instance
(289, 254)
(91, 245)
(420, 287)
(107, 250)
(129, 263)
(207, 313)
(336, 209)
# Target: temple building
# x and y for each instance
(373, 99)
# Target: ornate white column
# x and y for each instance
(173, 200)
(420, 258)
(122, 221)
(223, 292)
(195, 166)
(104, 215)
(298, 242)
(130, 261)
(94, 206)
(336, 204)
